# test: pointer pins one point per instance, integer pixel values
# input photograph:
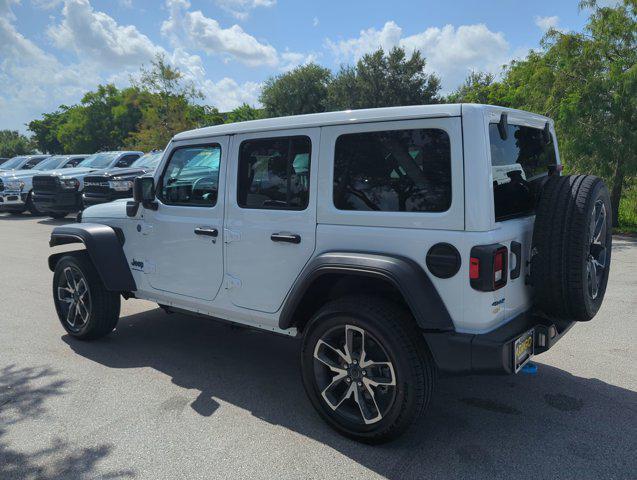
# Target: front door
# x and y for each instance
(184, 253)
(271, 215)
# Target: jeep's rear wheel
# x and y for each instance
(366, 368)
(572, 241)
(85, 308)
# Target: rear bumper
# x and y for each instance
(58, 201)
(492, 352)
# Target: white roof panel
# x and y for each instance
(327, 118)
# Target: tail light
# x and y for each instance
(488, 268)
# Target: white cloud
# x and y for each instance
(33, 81)
(367, 41)
(546, 23)
(194, 29)
(224, 94)
(241, 8)
(315, 22)
(290, 60)
(97, 36)
(5, 9)
(451, 52)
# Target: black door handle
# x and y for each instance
(516, 250)
(208, 232)
(286, 237)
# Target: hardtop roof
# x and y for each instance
(342, 117)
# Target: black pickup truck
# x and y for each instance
(109, 185)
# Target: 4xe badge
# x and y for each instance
(496, 305)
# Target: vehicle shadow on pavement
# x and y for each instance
(23, 396)
(56, 221)
(549, 425)
(42, 220)
(4, 216)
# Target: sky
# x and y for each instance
(53, 51)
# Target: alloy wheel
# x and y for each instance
(354, 374)
(596, 261)
(75, 298)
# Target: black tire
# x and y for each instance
(572, 240)
(58, 215)
(31, 206)
(389, 330)
(99, 310)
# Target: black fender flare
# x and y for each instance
(405, 274)
(104, 247)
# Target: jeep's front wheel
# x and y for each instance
(366, 368)
(85, 308)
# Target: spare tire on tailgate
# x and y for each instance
(570, 256)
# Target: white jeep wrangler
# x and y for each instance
(397, 243)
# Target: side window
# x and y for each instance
(191, 177)
(126, 161)
(393, 171)
(274, 173)
(32, 163)
(73, 162)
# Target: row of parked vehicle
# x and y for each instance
(57, 185)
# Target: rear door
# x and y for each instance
(271, 215)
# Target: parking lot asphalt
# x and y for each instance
(173, 396)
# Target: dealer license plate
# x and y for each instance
(523, 349)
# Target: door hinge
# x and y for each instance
(232, 282)
(231, 235)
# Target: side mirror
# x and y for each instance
(144, 189)
(143, 193)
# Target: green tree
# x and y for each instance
(478, 87)
(244, 112)
(587, 82)
(13, 143)
(383, 79)
(102, 121)
(45, 131)
(302, 90)
(205, 115)
(169, 109)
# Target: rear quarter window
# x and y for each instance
(519, 164)
(393, 171)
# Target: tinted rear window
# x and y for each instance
(393, 171)
(519, 164)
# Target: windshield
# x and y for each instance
(518, 164)
(99, 160)
(149, 160)
(13, 163)
(51, 163)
